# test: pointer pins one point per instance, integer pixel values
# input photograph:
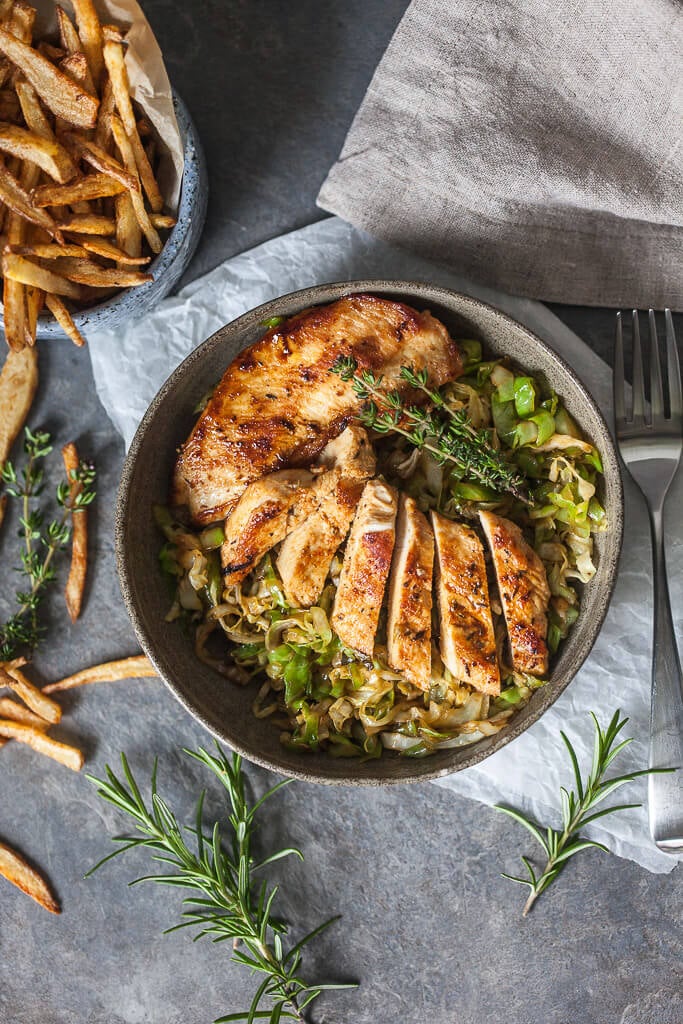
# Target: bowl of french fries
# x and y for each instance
(102, 193)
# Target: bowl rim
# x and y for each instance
(545, 696)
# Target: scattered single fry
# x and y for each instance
(32, 696)
(58, 92)
(18, 268)
(19, 713)
(94, 186)
(75, 584)
(70, 757)
(64, 319)
(88, 273)
(18, 385)
(19, 872)
(138, 667)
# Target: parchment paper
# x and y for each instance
(149, 82)
(131, 365)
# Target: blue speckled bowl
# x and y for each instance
(171, 261)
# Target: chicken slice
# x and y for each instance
(524, 593)
(365, 569)
(467, 641)
(307, 552)
(278, 404)
(263, 516)
(409, 623)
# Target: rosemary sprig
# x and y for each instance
(226, 901)
(562, 844)
(447, 434)
(41, 542)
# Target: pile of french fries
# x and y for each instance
(26, 716)
(80, 206)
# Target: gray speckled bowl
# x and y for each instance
(225, 709)
(173, 259)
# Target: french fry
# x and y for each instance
(18, 385)
(19, 872)
(35, 300)
(53, 53)
(14, 314)
(64, 319)
(18, 268)
(94, 186)
(113, 58)
(107, 108)
(90, 32)
(9, 106)
(125, 148)
(106, 249)
(162, 220)
(138, 667)
(32, 696)
(16, 712)
(100, 160)
(46, 153)
(33, 113)
(75, 65)
(58, 92)
(47, 250)
(19, 201)
(128, 232)
(89, 273)
(69, 37)
(75, 584)
(21, 22)
(88, 223)
(70, 757)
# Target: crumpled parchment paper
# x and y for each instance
(131, 365)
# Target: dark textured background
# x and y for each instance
(429, 927)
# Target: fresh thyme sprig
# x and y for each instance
(562, 844)
(226, 901)
(41, 542)
(447, 434)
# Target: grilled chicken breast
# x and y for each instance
(278, 405)
(307, 552)
(524, 593)
(263, 516)
(365, 569)
(467, 640)
(409, 623)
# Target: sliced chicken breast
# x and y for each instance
(409, 622)
(467, 640)
(524, 593)
(365, 569)
(278, 405)
(307, 552)
(263, 516)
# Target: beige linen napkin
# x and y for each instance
(532, 145)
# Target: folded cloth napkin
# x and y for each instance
(529, 145)
(130, 366)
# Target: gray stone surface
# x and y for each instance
(429, 928)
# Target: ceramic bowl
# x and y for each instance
(169, 265)
(224, 708)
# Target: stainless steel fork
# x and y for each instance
(650, 444)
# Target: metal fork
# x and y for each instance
(650, 446)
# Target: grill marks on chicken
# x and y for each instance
(307, 552)
(467, 640)
(524, 593)
(365, 569)
(409, 621)
(278, 405)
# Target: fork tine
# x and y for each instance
(638, 385)
(674, 369)
(618, 379)
(656, 397)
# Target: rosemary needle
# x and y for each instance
(224, 899)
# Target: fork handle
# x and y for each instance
(665, 792)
